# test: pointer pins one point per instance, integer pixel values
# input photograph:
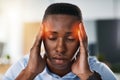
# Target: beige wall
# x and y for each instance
(30, 31)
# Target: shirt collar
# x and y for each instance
(47, 72)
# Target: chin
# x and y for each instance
(60, 64)
(61, 67)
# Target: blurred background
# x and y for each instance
(20, 21)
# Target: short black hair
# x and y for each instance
(63, 8)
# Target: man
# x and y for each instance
(66, 58)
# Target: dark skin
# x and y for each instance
(62, 36)
(59, 37)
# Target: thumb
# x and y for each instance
(45, 58)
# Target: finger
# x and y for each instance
(82, 35)
(37, 44)
(39, 36)
(78, 55)
(45, 57)
(79, 34)
(83, 29)
(83, 32)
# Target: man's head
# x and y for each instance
(61, 22)
(63, 8)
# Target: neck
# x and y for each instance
(61, 72)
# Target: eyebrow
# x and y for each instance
(54, 32)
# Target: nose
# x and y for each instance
(60, 47)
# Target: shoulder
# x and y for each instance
(22, 62)
(93, 61)
(100, 67)
(96, 64)
(16, 68)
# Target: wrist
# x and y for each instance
(30, 73)
(84, 76)
(26, 75)
(90, 76)
(95, 76)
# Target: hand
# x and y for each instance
(36, 63)
(81, 67)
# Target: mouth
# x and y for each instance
(59, 61)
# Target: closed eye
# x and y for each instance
(52, 37)
(70, 38)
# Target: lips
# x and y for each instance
(59, 56)
(59, 60)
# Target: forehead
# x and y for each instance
(61, 21)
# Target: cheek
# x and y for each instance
(49, 46)
(72, 48)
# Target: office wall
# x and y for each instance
(33, 10)
(15, 13)
(107, 35)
